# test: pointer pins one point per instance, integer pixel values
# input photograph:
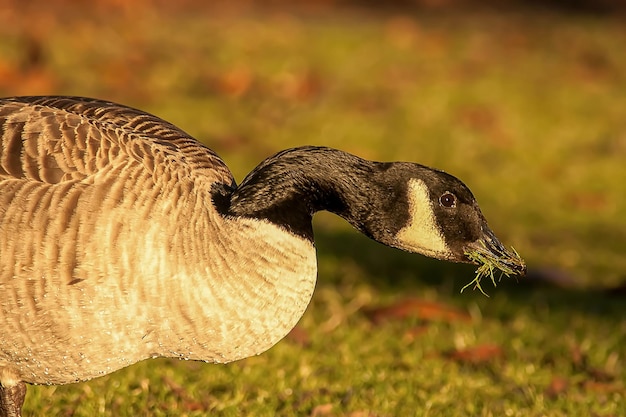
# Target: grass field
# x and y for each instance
(528, 109)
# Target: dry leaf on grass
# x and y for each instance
(416, 308)
(557, 386)
(476, 354)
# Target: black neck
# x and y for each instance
(288, 188)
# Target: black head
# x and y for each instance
(441, 216)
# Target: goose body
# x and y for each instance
(123, 238)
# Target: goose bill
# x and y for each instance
(489, 251)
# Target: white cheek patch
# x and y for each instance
(422, 235)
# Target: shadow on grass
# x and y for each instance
(395, 271)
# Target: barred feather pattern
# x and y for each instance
(111, 250)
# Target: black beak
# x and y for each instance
(490, 253)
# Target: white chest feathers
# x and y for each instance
(245, 300)
(236, 296)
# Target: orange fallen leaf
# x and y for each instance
(236, 82)
(476, 354)
(416, 308)
(557, 386)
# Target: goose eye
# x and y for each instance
(448, 200)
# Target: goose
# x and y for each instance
(122, 238)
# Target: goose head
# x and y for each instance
(442, 220)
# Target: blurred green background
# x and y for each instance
(527, 105)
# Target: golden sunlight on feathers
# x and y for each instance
(122, 238)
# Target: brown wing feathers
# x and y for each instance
(53, 139)
(67, 163)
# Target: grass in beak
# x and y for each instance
(488, 264)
